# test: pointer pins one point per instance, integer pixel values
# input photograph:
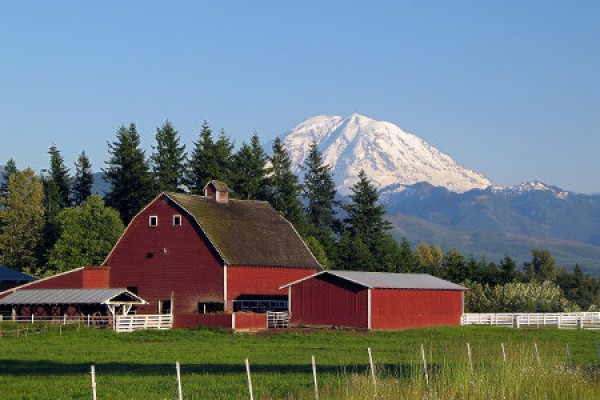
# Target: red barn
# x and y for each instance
(192, 255)
(374, 300)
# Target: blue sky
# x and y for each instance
(510, 89)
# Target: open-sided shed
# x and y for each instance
(374, 300)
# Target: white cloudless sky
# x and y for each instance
(510, 89)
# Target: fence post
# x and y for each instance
(425, 365)
(32, 319)
(537, 353)
(569, 356)
(503, 352)
(314, 370)
(249, 379)
(179, 391)
(93, 373)
(470, 357)
(372, 369)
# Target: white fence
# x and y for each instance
(580, 320)
(130, 323)
(88, 320)
(278, 319)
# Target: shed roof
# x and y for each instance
(7, 274)
(247, 232)
(389, 280)
(72, 296)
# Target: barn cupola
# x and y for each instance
(217, 190)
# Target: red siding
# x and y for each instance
(250, 321)
(164, 259)
(331, 302)
(70, 280)
(402, 309)
(194, 320)
(261, 280)
(95, 278)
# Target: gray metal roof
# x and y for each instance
(71, 296)
(390, 280)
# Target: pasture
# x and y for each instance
(55, 364)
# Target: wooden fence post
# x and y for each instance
(249, 379)
(503, 352)
(93, 373)
(537, 353)
(372, 369)
(178, 369)
(470, 356)
(425, 365)
(314, 370)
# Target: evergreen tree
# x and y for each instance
(365, 216)
(508, 270)
(79, 245)
(83, 179)
(319, 190)
(408, 259)
(59, 176)
(22, 222)
(168, 160)
(249, 165)
(354, 254)
(9, 169)
(209, 159)
(127, 173)
(282, 189)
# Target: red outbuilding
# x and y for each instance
(374, 300)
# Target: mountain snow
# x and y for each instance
(391, 158)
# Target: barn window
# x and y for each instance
(164, 306)
(210, 307)
(153, 222)
(177, 220)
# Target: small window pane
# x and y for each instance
(153, 221)
(177, 220)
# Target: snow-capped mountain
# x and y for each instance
(391, 158)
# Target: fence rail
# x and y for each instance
(278, 319)
(580, 320)
(130, 323)
(88, 320)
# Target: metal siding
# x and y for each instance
(261, 280)
(403, 308)
(321, 302)
(188, 267)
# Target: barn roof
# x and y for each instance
(388, 280)
(71, 296)
(7, 274)
(247, 232)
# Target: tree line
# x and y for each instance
(51, 223)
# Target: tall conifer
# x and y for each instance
(83, 179)
(168, 159)
(128, 175)
(249, 165)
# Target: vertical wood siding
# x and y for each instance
(403, 309)
(166, 258)
(329, 301)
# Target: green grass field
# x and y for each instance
(48, 364)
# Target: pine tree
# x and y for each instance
(168, 160)
(9, 169)
(508, 270)
(22, 222)
(83, 179)
(282, 188)
(365, 216)
(59, 175)
(319, 190)
(127, 173)
(249, 165)
(209, 159)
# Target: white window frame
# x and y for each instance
(175, 217)
(150, 219)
